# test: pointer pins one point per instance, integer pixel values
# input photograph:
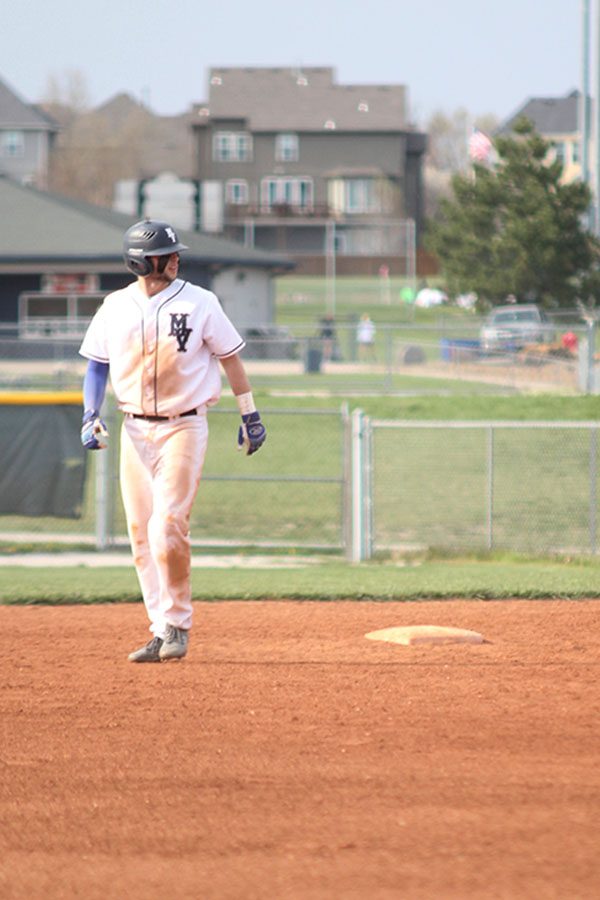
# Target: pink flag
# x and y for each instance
(480, 146)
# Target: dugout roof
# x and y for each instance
(37, 227)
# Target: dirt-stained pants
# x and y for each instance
(161, 466)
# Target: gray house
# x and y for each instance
(291, 161)
(59, 257)
(557, 119)
(26, 138)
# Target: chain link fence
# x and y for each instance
(527, 487)
(444, 349)
(291, 494)
(332, 481)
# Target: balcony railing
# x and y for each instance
(236, 212)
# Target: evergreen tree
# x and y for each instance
(514, 228)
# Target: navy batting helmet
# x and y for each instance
(148, 238)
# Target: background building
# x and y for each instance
(59, 257)
(558, 120)
(291, 161)
(27, 135)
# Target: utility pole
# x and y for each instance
(596, 222)
(584, 105)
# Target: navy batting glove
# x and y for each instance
(252, 434)
(93, 431)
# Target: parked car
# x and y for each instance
(509, 328)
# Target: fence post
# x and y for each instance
(368, 486)
(593, 487)
(360, 531)
(102, 476)
(388, 378)
(490, 487)
(590, 387)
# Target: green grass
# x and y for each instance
(357, 384)
(430, 579)
(305, 299)
(412, 500)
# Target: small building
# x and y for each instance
(60, 257)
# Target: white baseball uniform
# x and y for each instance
(163, 354)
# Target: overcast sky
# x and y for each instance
(486, 57)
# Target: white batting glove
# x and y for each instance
(94, 433)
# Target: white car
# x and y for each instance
(509, 328)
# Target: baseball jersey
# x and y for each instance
(163, 350)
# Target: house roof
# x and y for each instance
(273, 99)
(549, 115)
(154, 143)
(36, 226)
(15, 113)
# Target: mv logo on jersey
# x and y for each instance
(180, 330)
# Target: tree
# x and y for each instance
(66, 96)
(515, 228)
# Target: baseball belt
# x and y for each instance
(189, 412)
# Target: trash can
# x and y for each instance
(314, 358)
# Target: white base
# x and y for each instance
(426, 634)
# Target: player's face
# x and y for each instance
(171, 268)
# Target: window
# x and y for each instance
(13, 143)
(559, 152)
(69, 283)
(575, 152)
(279, 191)
(232, 146)
(360, 195)
(236, 191)
(286, 148)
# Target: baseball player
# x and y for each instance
(162, 339)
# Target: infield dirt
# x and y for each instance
(289, 757)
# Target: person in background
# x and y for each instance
(327, 335)
(365, 338)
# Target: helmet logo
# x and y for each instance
(171, 234)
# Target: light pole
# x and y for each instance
(584, 108)
(596, 181)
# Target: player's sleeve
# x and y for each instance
(220, 334)
(95, 344)
(94, 385)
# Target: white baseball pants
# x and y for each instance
(161, 466)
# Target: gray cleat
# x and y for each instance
(148, 653)
(175, 643)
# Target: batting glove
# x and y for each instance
(93, 431)
(252, 434)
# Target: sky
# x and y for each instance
(485, 57)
